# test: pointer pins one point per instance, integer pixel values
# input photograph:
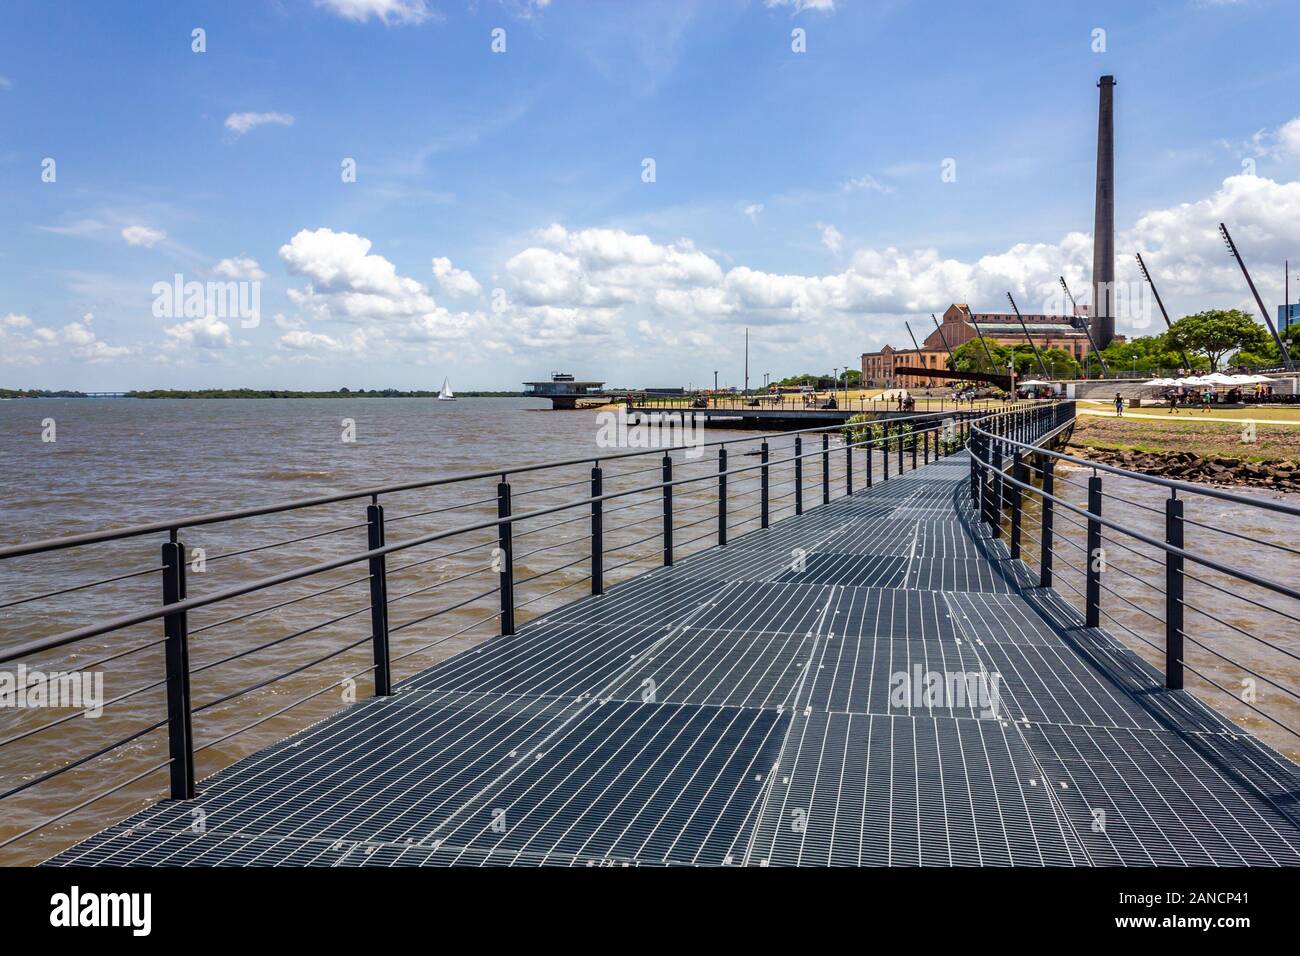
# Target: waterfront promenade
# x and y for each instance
(743, 707)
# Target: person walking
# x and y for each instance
(1119, 405)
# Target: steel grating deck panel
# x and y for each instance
(763, 704)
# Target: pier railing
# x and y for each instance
(1196, 579)
(214, 635)
(813, 403)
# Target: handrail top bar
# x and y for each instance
(216, 517)
(1189, 487)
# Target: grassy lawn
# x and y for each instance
(1202, 438)
(1271, 413)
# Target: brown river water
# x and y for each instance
(121, 462)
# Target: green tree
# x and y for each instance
(1149, 355)
(1060, 363)
(1217, 332)
(970, 357)
(1270, 356)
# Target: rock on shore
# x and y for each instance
(1189, 466)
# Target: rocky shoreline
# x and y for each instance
(1281, 474)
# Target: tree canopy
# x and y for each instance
(1149, 355)
(970, 357)
(1218, 332)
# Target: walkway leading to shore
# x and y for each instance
(770, 702)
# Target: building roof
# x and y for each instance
(1010, 328)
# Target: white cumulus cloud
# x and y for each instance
(22, 342)
(832, 238)
(241, 123)
(143, 236)
(205, 333)
(457, 283)
(239, 267)
(388, 12)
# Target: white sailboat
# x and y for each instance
(444, 393)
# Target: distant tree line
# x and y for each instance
(289, 393)
(823, 382)
(39, 393)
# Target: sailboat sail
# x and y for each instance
(445, 393)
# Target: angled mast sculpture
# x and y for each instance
(1092, 343)
(1024, 328)
(1187, 364)
(1232, 247)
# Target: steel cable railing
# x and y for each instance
(1012, 471)
(741, 490)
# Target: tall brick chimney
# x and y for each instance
(1103, 230)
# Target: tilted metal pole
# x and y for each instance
(1087, 326)
(993, 366)
(944, 339)
(1268, 320)
(1187, 363)
(1028, 338)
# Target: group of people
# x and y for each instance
(1201, 399)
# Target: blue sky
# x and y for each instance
(500, 226)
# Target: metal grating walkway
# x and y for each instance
(733, 710)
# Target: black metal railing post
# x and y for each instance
(506, 557)
(1017, 474)
(378, 599)
(884, 454)
(914, 440)
(668, 510)
(975, 453)
(826, 468)
(763, 485)
(1173, 594)
(986, 489)
(995, 476)
(180, 736)
(722, 496)
(798, 474)
(597, 530)
(1095, 554)
(1046, 545)
(848, 466)
(925, 435)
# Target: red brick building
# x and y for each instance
(1002, 328)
